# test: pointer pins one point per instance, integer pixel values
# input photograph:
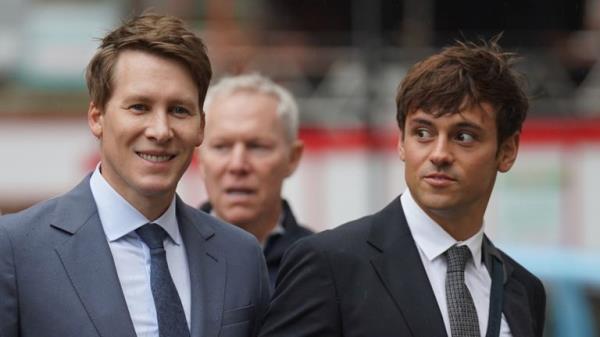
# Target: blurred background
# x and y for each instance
(343, 59)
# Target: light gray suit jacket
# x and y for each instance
(58, 278)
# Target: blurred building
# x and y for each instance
(343, 59)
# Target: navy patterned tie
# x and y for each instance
(169, 311)
(461, 309)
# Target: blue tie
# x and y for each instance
(169, 311)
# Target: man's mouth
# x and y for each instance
(155, 158)
(239, 191)
(439, 176)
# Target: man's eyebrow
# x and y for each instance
(183, 101)
(190, 102)
(140, 98)
(469, 125)
(464, 124)
(421, 121)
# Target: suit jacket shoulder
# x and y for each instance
(61, 243)
(25, 221)
(524, 299)
(521, 273)
(363, 278)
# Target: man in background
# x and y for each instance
(251, 146)
(121, 254)
(423, 266)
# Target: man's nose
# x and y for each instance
(441, 154)
(238, 161)
(159, 128)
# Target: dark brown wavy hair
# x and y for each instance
(464, 75)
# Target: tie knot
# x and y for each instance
(152, 234)
(457, 258)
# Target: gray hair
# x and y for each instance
(287, 108)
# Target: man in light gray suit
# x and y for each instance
(121, 254)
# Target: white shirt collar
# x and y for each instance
(430, 237)
(119, 217)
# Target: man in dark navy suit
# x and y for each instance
(422, 266)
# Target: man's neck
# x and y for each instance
(262, 226)
(460, 227)
(151, 208)
(460, 223)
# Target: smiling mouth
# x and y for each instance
(155, 158)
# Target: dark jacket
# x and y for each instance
(277, 244)
(366, 278)
(58, 276)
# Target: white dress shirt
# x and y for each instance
(132, 257)
(432, 242)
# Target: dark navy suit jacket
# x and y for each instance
(366, 278)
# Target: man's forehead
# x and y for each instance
(243, 103)
(250, 94)
(468, 105)
(480, 113)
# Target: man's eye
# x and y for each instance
(179, 110)
(423, 133)
(138, 107)
(256, 146)
(259, 147)
(465, 137)
(219, 147)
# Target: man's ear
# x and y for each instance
(507, 153)
(295, 156)
(400, 146)
(200, 137)
(200, 158)
(95, 120)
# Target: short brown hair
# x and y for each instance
(161, 35)
(464, 75)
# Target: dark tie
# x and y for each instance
(461, 310)
(169, 311)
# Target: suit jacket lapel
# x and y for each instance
(399, 268)
(88, 262)
(207, 272)
(516, 309)
(515, 304)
